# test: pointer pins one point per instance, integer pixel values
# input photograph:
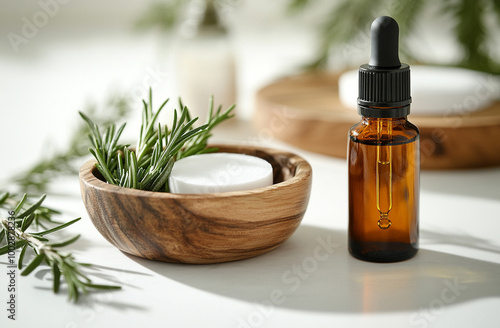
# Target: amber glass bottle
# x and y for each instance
(383, 157)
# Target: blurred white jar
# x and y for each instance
(204, 61)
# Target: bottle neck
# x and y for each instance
(394, 121)
(383, 129)
(383, 112)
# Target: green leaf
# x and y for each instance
(62, 226)
(119, 170)
(95, 135)
(133, 170)
(107, 134)
(208, 150)
(162, 179)
(4, 197)
(57, 277)
(104, 287)
(295, 6)
(210, 107)
(101, 166)
(20, 204)
(35, 263)
(27, 221)
(64, 243)
(21, 257)
(40, 238)
(174, 124)
(114, 142)
(18, 244)
(73, 292)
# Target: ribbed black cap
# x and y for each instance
(384, 82)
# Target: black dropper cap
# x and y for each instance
(384, 81)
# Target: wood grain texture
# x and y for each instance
(306, 112)
(202, 228)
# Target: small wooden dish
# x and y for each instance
(306, 111)
(202, 228)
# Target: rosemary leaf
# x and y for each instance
(18, 244)
(60, 227)
(4, 197)
(56, 273)
(27, 221)
(34, 264)
(40, 238)
(104, 287)
(32, 208)
(64, 243)
(20, 204)
(21, 257)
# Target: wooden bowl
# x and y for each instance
(201, 228)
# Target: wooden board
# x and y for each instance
(305, 111)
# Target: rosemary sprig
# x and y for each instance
(42, 214)
(63, 265)
(150, 165)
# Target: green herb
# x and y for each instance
(63, 265)
(470, 31)
(150, 165)
(349, 18)
(42, 216)
(165, 15)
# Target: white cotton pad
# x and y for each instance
(219, 172)
(436, 90)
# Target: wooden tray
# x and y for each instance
(305, 111)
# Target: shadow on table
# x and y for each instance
(482, 183)
(99, 297)
(314, 272)
(432, 237)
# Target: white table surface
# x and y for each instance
(454, 281)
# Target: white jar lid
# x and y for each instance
(436, 90)
(219, 172)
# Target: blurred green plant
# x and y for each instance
(345, 21)
(36, 178)
(163, 15)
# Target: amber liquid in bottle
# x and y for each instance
(384, 167)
